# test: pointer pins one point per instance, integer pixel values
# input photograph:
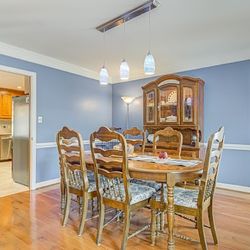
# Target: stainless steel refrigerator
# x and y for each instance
(21, 140)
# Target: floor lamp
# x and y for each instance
(128, 100)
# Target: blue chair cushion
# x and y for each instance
(182, 197)
(152, 184)
(138, 193)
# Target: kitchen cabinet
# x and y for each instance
(6, 102)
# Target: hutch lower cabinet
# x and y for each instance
(177, 102)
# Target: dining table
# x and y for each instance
(162, 172)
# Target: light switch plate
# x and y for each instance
(40, 119)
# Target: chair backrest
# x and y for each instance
(111, 166)
(71, 157)
(211, 166)
(168, 139)
(135, 137)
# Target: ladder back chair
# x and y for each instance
(169, 140)
(113, 181)
(135, 137)
(196, 202)
(76, 180)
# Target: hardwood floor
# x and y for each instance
(7, 185)
(32, 220)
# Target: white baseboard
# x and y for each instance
(237, 188)
(47, 183)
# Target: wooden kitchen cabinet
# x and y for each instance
(6, 102)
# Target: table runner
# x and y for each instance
(168, 161)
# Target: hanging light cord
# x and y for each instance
(104, 45)
(124, 34)
(149, 28)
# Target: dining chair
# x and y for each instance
(137, 138)
(75, 179)
(168, 140)
(113, 181)
(193, 202)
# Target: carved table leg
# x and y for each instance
(170, 212)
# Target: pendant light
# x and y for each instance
(149, 62)
(104, 75)
(124, 68)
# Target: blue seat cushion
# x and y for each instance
(138, 193)
(152, 184)
(182, 197)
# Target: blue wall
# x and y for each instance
(227, 103)
(81, 103)
(64, 99)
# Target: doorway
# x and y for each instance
(17, 130)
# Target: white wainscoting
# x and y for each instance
(242, 147)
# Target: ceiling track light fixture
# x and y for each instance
(129, 15)
(149, 62)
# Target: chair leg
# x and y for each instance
(158, 223)
(92, 207)
(126, 228)
(67, 209)
(83, 213)
(153, 226)
(63, 196)
(100, 223)
(212, 224)
(162, 221)
(200, 226)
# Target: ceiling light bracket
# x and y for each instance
(127, 16)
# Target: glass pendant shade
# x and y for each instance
(124, 70)
(149, 64)
(104, 76)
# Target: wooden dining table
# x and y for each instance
(162, 173)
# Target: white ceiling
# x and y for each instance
(186, 34)
(12, 81)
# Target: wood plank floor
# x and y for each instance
(31, 220)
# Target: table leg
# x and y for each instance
(170, 214)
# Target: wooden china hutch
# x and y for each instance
(177, 102)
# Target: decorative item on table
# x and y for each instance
(163, 155)
(130, 148)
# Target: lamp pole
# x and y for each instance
(128, 100)
(127, 116)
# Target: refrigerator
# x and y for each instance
(21, 140)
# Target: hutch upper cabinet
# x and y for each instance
(176, 101)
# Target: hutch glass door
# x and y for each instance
(168, 104)
(150, 107)
(188, 104)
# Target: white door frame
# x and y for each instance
(32, 76)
